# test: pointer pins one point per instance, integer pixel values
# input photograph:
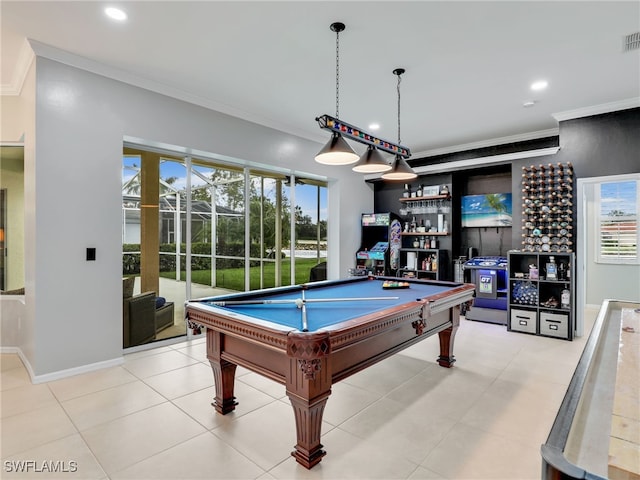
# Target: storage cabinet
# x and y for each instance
(424, 263)
(542, 294)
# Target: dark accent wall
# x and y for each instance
(600, 145)
(597, 146)
(486, 240)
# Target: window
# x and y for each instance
(618, 222)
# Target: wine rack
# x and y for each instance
(547, 208)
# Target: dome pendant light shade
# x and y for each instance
(400, 170)
(372, 162)
(337, 152)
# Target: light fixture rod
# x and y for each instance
(398, 72)
(337, 27)
(332, 124)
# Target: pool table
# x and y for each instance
(310, 336)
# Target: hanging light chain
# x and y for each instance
(337, 72)
(398, 88)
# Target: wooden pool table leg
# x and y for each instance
(447, 338)
(308, 383)
(224, 373)
(308, 414)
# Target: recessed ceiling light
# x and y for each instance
(528, 103)
(115, 13)
(539, 85)
(374, 126)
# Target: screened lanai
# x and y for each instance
(192, 228)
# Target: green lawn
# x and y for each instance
(233, 278)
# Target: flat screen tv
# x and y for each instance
(489, 210)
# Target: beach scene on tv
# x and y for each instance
(489, 210)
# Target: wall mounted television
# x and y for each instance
(488, 210)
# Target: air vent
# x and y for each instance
(631, 42)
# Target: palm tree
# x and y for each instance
(497, 203)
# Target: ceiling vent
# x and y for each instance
(631, 42)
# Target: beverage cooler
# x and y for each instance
(379, 252)
(489, 274)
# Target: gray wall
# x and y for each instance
(73, 157)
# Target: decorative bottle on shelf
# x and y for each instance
(434, 263)
(407, 191)
(419, 193)
(413, 224)
(565, 298)
(552, 269)
(433, 243)
(562, 271)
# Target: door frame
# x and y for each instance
(583, 241)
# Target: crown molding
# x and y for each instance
(521, 137)
(25, 58)
(597, 109)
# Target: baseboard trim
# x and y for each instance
(60, 374)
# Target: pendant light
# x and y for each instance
(372, 162)
(400, 169)
(337, 151)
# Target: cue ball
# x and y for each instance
(299, 302)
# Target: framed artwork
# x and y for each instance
(489, 210)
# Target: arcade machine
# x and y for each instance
(379, 251)
(489, 274)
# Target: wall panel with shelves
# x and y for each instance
(425, 263)
(389, 196)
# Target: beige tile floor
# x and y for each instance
(404, 418)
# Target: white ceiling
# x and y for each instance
(468, 65)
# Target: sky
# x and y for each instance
(622, 196)
(306, 195)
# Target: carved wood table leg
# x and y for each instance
(447, 338)
(308, 388)
(224, 373)
(308, 414)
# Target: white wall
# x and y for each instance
(73, 179)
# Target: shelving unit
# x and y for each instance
(425, 210)
(422, 254)
(426, 218)
(539, 303)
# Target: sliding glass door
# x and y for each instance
(193, 228)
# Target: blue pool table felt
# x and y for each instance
(324, 314)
